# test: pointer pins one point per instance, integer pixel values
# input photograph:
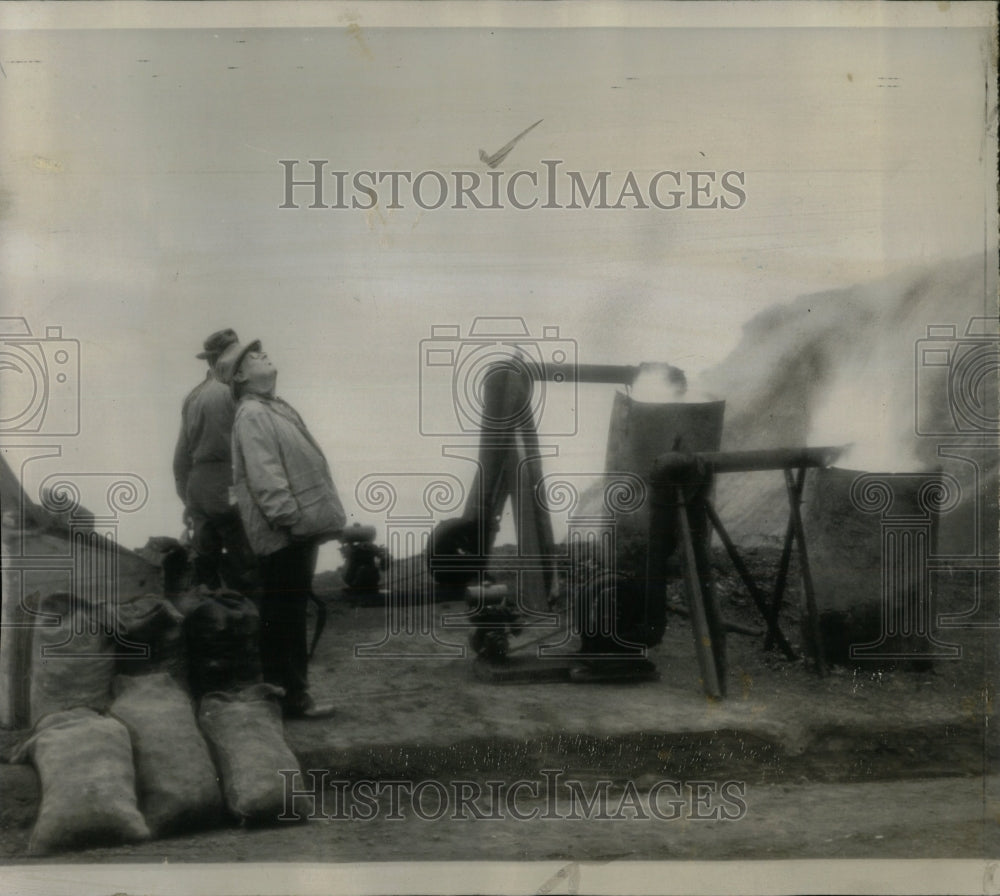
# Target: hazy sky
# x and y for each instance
(141, 191)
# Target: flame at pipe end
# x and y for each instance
(659, 383)
(856, 412)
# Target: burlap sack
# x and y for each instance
(84, 761)
(153, 623)
(175, 777)
(72, 660)
(247, 737)
(222, 638)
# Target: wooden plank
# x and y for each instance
(696, 607)
(794, 494)
(713, 615)
(778, 596)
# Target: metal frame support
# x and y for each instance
(682, 481)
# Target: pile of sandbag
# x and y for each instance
(176, 784)
(245, 731)
(84, 761)
(78, 647)
(120, 744)
(151, 638)
(73, 657)
(221, 633)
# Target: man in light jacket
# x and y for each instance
(289, 506)
(203, 474)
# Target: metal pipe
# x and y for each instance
(584, 373)
(674, 466)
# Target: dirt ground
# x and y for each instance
(864, 763)
(919, 818)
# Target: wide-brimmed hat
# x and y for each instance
(231, 358)
(217, 343)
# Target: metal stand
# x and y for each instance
(509, 465)
(681, 500)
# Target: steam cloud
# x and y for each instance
(844, 367)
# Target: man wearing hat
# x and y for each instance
(289, 506)
(203, 474)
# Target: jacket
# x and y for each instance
(281, 480)
(202, 456)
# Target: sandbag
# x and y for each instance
(175, 777)
(187, 601)
(154, 623)
(72, 659)
(222, 638)
(84, 761)
(245, 732)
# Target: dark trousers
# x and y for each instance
(286, 577)
(222, 553)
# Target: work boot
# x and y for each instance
(304, 707)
